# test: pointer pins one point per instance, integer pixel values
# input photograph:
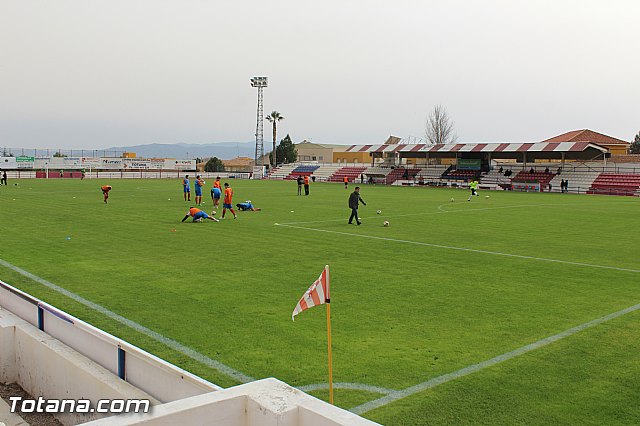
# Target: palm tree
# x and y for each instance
(273, 118)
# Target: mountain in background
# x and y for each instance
(222, 150)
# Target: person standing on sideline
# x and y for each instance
(82, 173)
(306, 185)
(199, 184)
(4, 178)
(474, 189)
(216, 192)
(566, 186)
(299, 184)
(227, 203)
(186, 188)
(354, 199)
(105, 192)
(346, 182)
(198, 215)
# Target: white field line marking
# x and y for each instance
(371, 405)
(495, 253)
(217, 365)
(343, 385)
(441, 211)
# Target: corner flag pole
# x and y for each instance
(328, 300)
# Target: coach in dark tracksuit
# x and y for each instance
(354, 198)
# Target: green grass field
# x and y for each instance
(447, 285)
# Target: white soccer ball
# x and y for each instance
(213, 212)
(451, 200)
(385, 223)
(379, 211)
(486, 196)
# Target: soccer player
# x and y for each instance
(186, 187)
(227, 202)
(247, 206)
(474, 189)
(105, 191)
(199, 184)
(299, 180)
(198, 215)
(216, 192)
(346, 182)
(354, 199)
(306, 185)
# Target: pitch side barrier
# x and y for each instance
(117, 174)
(156, 377)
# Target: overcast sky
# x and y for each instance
(98, 73)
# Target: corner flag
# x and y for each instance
(317, 294)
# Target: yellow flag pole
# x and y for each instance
(329, 344)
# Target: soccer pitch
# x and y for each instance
(520, 308)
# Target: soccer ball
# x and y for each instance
(486, 196)
(213, 212)
(385, 223)
(451, 200)
(379, 211)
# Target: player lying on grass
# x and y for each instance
(198, 215)
(247, 206)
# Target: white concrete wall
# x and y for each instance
(158, 378)
(43, 366)
(267, 402)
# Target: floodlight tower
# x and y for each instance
(259, 82)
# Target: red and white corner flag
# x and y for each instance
(317, 294)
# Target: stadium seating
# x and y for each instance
(352, 174)
(460, 174)
(400, 173)
(282, 171)
(616, 184)
(542, 177)
(324, 172)
(304, 170)
(579, 181)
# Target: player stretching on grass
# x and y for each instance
(227, 203)
(105, 191)
(474, 189)
(186, 188)
(199, 184)
(198, 215)
(216, 192)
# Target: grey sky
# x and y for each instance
(98, 73)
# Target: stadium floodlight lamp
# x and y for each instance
(259, 82)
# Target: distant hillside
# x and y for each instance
(222, 150)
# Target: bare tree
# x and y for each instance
(439, 127)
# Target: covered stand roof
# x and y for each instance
(582, 150)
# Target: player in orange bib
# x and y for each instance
(105, 191)
(198, 215)
(216, 192)
(346, 182)
(228, 203)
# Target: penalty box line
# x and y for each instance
(494, 253)
(173, 344)
(394, 396)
